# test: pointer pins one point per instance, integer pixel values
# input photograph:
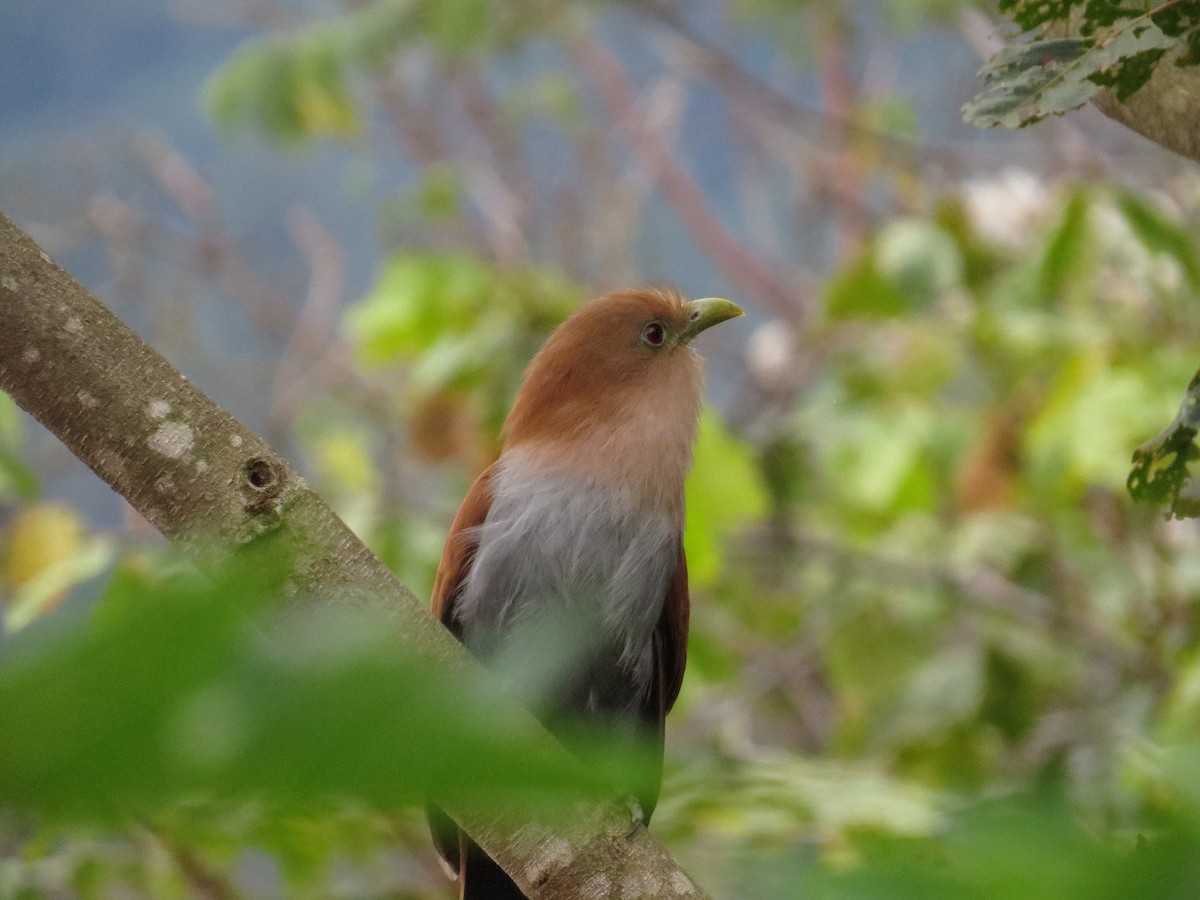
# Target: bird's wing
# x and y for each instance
(670, 659)
(672, 634)
(461, 544)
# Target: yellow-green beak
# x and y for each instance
(706, 313)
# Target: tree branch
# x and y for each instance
(215, 488)
(1164, 110)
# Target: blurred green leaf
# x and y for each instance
(460, 329)
(883, 464)
(416, 302)
(942, 691)
(724, 492)
(1161, 234)
(292, 93)
(911, 262)
(1027, 847)
(1066, 250)
(780, 796)
(551, 94)
(17, 478)
(45, 553)
(179, 689)
(862, 290)
(1162, 467)
(1094, 414)
(920, 258)
(296, 87)
(459, 27)
(438, 194)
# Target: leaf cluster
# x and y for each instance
(1113, 45)
(302, 85)
(1162, 467)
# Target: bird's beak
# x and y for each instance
(707, 313)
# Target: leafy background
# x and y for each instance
(937, 648)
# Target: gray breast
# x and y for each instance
(565, 591)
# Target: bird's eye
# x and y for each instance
(654, 334)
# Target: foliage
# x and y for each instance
(46, 553)
(960, 560)
(1025, 82)
(1026, 847)
(143, 704)
(936, 649)
(467, 329)
(1162, 466)
(1116, 46)
(300, 86)
(724, 490)
(17, 479)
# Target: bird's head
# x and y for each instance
(621, 366)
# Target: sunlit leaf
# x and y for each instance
(46, 553)
(1162, 467)
(417, 301)
(1094, 415)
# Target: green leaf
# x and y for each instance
(297, 88)
(1130, 74)
(724, 491)
(416, 300)
(182, 688)
(909, 264)
(1066, 250)
(1160, 234)
(459, 27)
(1031, 14)
(772, 798)
(17, 479)
(1162, 467)
(293, 93)
(861, 290)
(920, 258)
(1025, 82)
(883, 463)
(1095, 412)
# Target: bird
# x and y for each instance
(564, 569)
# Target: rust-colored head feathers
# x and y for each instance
(620, 378)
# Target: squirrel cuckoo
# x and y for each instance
(564, 569)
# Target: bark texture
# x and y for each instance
(1165, 110)
(215, 488)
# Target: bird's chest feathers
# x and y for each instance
(555, 541)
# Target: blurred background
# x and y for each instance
(919, 585)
